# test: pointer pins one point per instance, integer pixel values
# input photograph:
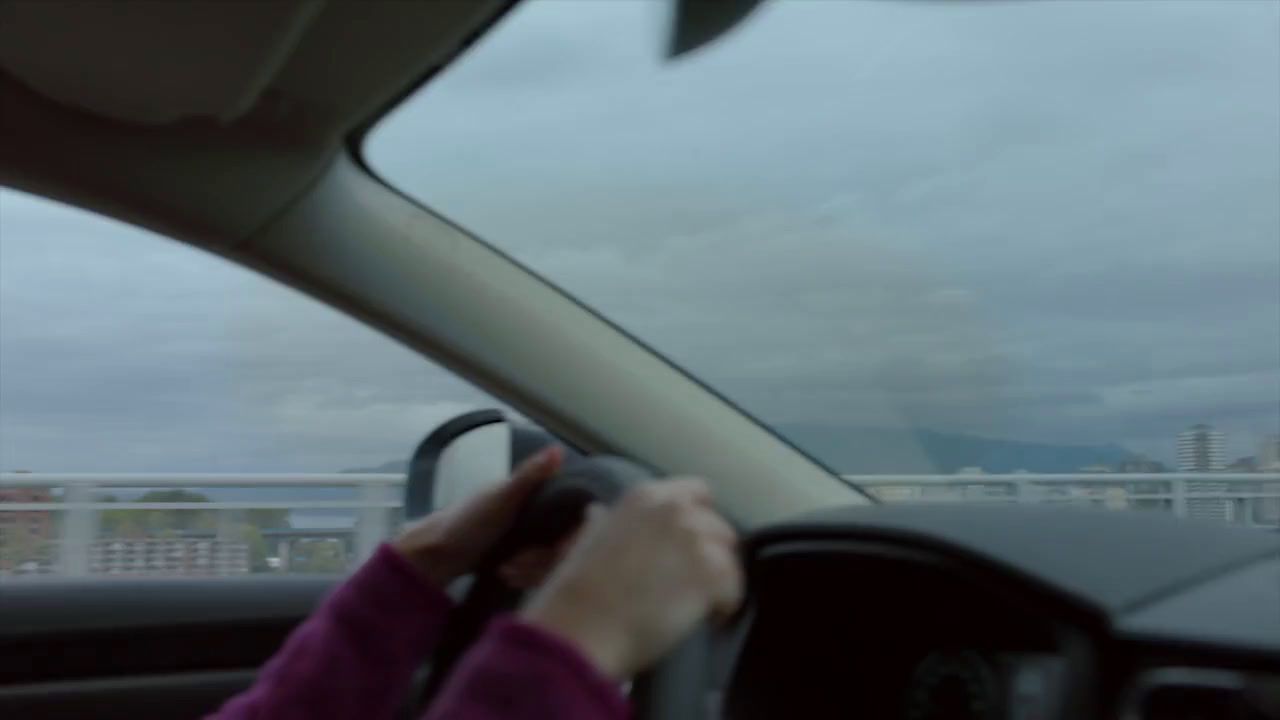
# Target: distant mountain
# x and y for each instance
(390, 466)
(879, 451)
(294, 492)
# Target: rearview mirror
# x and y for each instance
(695, 23)
(465, 455)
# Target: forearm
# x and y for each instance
(356, 655)
(519, 672)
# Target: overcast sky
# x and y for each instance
(1045, 221)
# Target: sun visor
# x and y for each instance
(151, 62)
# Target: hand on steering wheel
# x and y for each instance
(453, 541)
(641, 576)
(636, 580)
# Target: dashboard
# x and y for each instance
(960, 683)
(1008, 613)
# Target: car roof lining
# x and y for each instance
(315, 63)
(350, 60)
(153, 63)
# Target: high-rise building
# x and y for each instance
(1200, 449)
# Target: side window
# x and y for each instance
(166, 412)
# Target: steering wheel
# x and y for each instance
(676, 688)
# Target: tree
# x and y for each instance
(251, 536)
(318, 556)
(144, 523)
(268, 518)
(159, 523)
(17, 546)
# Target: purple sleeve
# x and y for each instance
(356, 655)
(519, 672)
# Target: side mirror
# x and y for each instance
(465, 455)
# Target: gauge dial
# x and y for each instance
(953, 686)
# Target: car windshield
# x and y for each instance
(989, 251)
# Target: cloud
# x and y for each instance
(1052, 222)
(896, 213)
(122, 351)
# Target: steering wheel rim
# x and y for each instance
(674, 688)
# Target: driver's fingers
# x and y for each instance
(718, 553)
(535, 470)
(712, 525)
(687, 487)
(497, 506)
(725, 577)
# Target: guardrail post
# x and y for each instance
(372, 523)
(1019, 491)
(79, 530)
(282, 552)
(227, 524)
(1178, 489)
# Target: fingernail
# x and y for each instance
(535, 461)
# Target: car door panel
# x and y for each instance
(163, 648)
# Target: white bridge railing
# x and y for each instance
(67, 508)
(77, 500)
(1239, 498)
